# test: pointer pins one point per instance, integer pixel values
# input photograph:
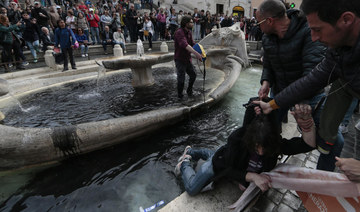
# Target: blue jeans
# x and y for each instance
(121, 44)
(84, 49)
(350, 112)
(33, 46)
(195, 182)
(95, 32)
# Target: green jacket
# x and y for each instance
(5, 33)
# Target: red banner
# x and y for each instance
(318, 202)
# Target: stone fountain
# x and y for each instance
(23, 146)
(4, 89)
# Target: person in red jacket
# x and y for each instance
(93, 20)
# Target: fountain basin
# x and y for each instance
(24, 146)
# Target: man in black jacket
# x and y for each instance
(40, 14)
(335, 23)
(107, 38)
(131, 21)
(290, 54)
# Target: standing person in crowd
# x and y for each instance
(179, 16)
(106, 19)
(208, 23)
(131, 17)
(31, 35)
(197, 17)
(66, 39)
(173, 22)
(54, 17)
(161, 22)
(47, 38)
(140, 26)
(202, 24)
(14, 13)
(81, 22)
(83, 42)
(71, 20)
(83, 7)
(119, 39)
(61, 13)
(93, 20)
(335, 23)
(183, 42)
(40, 14)
(123, 20)
(281, 26)
(154, 23)
(10, 42)
(116, 23)
(107, 38)
(148, 31)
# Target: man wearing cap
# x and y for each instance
(40, 15)
(61, 13)
(183, 42)
(14, 13)
(93, 20)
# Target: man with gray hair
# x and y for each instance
(290, 54)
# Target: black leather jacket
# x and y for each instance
(342, 63)
(292, 57)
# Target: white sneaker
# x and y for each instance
(343, 129)
(124, 52)
(178, 166)
(185, 153)
(149, 49)
(86, 55)
(82, 55)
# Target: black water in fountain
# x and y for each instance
(85, 101)
(127, 176)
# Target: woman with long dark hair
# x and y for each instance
(252, 149)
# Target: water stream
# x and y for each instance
(127, 176)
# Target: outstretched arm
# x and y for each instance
(302, 115)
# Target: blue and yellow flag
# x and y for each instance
(199, 48)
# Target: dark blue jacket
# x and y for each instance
(63, 37)
(292, 57)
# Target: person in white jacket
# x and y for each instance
(148, 31)
(119, 39)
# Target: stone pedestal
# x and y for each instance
(164, 47)
(4, 88)
(118, 51)
(142, 77)
(50, 60)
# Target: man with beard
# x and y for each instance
(183, 48)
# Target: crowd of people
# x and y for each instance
(106, 22)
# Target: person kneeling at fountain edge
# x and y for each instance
(251, 149)
(183, 48)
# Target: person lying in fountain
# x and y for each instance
(251, 149)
